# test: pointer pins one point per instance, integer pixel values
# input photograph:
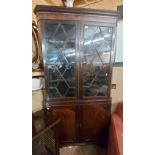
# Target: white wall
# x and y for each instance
(117, 94)
(37, 100)
(119, 43)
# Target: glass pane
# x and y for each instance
(60, 42)
(96, 58)
(53, 93)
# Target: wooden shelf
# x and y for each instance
(38, 73)
(34, 92)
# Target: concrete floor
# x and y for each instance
(82, 150)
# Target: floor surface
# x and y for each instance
(82, 150)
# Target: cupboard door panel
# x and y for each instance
(95, 119)
(67, 125)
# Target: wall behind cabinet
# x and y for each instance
(117, 94)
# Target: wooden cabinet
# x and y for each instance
(78, 47)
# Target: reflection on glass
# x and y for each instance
(96, 58)
(60, 49)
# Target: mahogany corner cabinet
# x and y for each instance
(78, 49)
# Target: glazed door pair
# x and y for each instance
(77, 59)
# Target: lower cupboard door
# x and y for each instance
(95, 122)
(67, 126)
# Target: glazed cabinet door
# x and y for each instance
(59, 47)
(95, 122)
(96, 59)
(67, 126)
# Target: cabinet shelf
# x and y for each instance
(50, 81)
